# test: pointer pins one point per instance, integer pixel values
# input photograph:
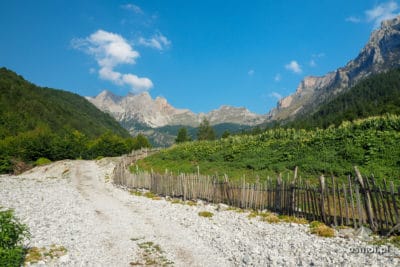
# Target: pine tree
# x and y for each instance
(182, 136)
(205, 131)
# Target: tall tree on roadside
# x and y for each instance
(183, 136)
(205, 131)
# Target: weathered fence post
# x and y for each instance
(278, 193)
(322, 200)
(367, 199)
(292, 193)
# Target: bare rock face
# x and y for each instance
(381, 53)
(141, 108)
(158, 112)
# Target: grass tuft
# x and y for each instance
(136, 193)
(320, 229)
(206, 214)
(292, 219)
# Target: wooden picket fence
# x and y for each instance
(360, 201)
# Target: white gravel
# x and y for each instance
(73, 204)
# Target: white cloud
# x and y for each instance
(376, 15)
(276, 95)
(313, 63)
(110, 50)
(278, 77)
(132, 7)
(251, 72)
(157, 41)
(353, 19)
(382, 12)
(139, 84)
(294, 66)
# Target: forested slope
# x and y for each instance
(376, 95)
(24, 106)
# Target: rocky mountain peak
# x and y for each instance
(381, 53)
(142, 109)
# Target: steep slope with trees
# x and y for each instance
(24, 106)
(38, 123)
(374, 96)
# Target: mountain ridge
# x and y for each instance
(158, 112)
(381, 53)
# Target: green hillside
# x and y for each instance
(372, 144)
(24, 106)
(41, 124)
(376, 95)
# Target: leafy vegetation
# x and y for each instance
(43, 143)
(373, 144)
(42, 161)
(373, 96)
(37, 123)
(12, 234)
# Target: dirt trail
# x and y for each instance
(122, 218)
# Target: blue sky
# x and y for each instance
(197, 54)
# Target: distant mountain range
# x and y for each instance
(380, 54)
(158, 112)
(160, 121)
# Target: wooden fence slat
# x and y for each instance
(322, 196)
(334, 200)
(340, 204)
(394, 201)
(387, 197)
(366, 197)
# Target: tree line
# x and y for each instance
(204, 132)
(28, 147)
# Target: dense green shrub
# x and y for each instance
(42, 161)
(12, 234)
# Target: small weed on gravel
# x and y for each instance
(235, 209)
(151, 254)
(150, 195)
(321, 229)
(180, 201)
(292, 219)
(176, 201)
(206, 214)
(136, 193)
(273, 218)
(36, 254)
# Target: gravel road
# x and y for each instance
(74, 204)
